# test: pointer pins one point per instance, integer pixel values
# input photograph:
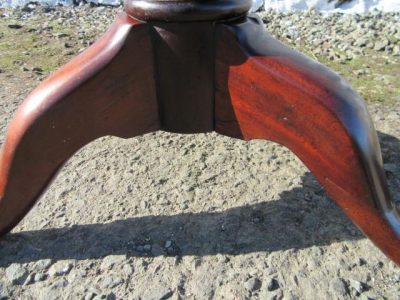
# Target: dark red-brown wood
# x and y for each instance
(184, 62)
(186, 10)
(264, 90)
(107, 90)
(224, 75)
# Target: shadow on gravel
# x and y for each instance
(302, 217)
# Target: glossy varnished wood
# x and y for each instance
(264, 90)
(184, 60)
(186, 10)
(107, 90)
(219, 70)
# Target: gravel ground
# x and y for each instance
(168, 216)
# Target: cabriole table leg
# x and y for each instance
(267, 91)
(196, 66)
(104, 91)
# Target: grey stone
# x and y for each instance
(128, 269)
(361, 42)
(360, 72)
(110, 296)
(253, 284)
(39, 277)
(16, 273)
(358, 286)
(90, 296)
(365, 297)
(49, 293)
(160, 294)
(276, 295)
(59, 284)
(4, 292)
(396, 50)
(112, 261)
(111, 280)
(271, 284)
(360, 261)
(29, 279)
(338, 287)
(42, 264)
(76, 275)
(60, 268)
(381, 45)
(196, 263)
(292, 296)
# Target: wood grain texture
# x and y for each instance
(107, 90)
(195, 77)
(184, 60)
(186, 10)
(264, 90)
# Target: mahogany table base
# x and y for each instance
(199, 68)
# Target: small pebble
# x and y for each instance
(60, 268)
(39, 277)
(29, 279)
(161, 294)
(111, 280)
(272, 284)
(110, 296)
(337, 286)
(358, 286)
(42, 264)
(16, 274)
(128, 269)
(59, 284)
(253, 284)
(111, 261)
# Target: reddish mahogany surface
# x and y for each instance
(265, 90)
(184, 60)
(230, 77)
(104, 91)
(186, 10)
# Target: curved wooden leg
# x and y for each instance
(107, 90)
(267, 91)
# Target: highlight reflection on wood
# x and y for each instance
(229, 76)
(277, 94)
(103, 91)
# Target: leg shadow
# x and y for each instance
(390, 147)
(301, 218)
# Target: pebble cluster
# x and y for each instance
(337, 36)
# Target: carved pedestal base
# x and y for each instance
(197, 67)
